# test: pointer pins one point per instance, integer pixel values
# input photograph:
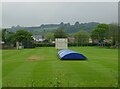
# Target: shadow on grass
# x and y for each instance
(74, 59)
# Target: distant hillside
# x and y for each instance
(70, 29)
(45, 28)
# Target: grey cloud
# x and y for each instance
(29, 13)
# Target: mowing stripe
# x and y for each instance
(8, 67)
(20, 75)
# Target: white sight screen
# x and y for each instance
(61, 43)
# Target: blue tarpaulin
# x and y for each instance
(69, 54)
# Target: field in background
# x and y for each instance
(40, 67)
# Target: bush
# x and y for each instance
(78, 44)
(7, 47)
(29, 45)
(44, 44)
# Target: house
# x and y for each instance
(2, 42)
(71, 39)
(96, 41)
(90, 40)
(38, 38)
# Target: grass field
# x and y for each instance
(40, 67)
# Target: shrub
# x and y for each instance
(44, 44)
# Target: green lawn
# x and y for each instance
(40, 67)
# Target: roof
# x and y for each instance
(38, 36)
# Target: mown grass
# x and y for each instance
(40, 67)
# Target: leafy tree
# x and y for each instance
(119, 34)
(23, 37)
(113, 32)
(7, 37)
(60, 34)
(49, 37)
(100, 32)
(10, 39)
(82, 37)
(0, 34)
(77, 24)
(4, 35)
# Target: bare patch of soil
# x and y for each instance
(34, 58)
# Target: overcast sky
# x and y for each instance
(34, 14)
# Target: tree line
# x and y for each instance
(101, 34)
(22, 37)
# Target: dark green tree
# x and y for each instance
(23, 37)
(0, 34)
(49, 37)
(4, 35)
(100, 32)
(10, 39)
(81, 37)
(114, 33)
(59, 33)
(7, 37)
